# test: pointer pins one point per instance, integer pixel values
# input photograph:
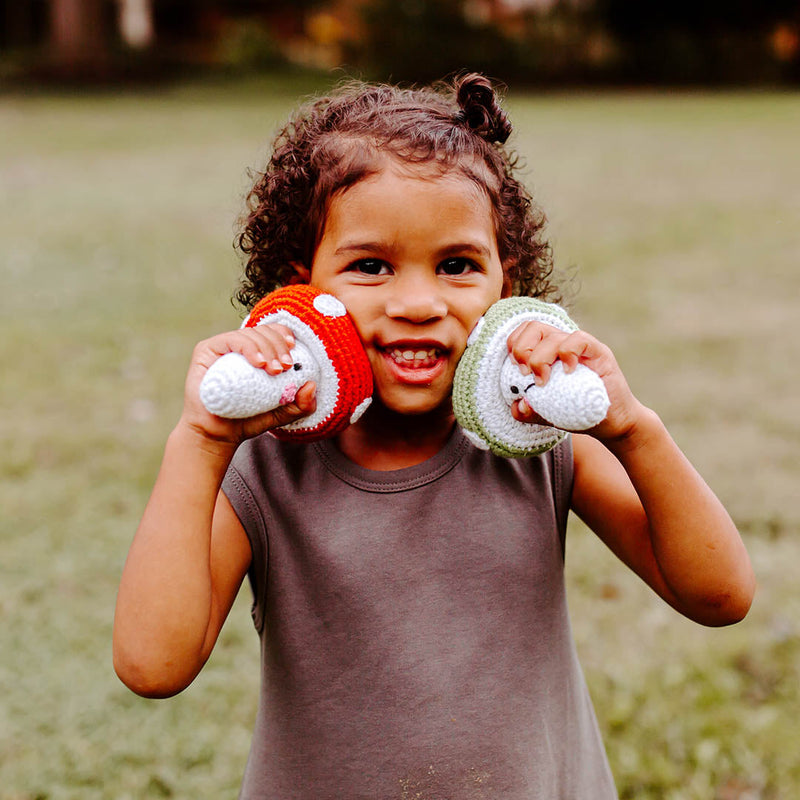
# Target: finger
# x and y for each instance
(285, 336)
(304, 403)
(574, 349)
(541, 373)
(286, 332)
(268, 347)
(523, 342)
(306, 398)
(540, 359)
(556, 345)
(259, 348)
(522, 412)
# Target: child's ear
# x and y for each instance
(300, 273)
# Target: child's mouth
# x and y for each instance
(415, 358)
(415, 363)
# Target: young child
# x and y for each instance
(409, 587)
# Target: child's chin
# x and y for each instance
(414, 402)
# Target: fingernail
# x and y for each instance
(287, 360)
(524, 408)
(276, 365)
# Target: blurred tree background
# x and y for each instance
(541, 42)
(675, 211)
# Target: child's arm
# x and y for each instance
(635, 488)
(190, 552)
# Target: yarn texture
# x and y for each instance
(487, 382)
(327, 351)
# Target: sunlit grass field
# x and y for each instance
(677, 218)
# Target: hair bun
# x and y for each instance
(480, 111)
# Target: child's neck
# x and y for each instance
(384, 440)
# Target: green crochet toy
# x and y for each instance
(487, 382)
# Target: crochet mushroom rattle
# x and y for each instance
(327, 351)
(487, 382)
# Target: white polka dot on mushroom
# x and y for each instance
(329, 306)
(360, 409)
(476, 331)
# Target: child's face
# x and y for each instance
(414, 259)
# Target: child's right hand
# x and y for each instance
(265, 347)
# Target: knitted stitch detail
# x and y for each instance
(328, 351)
(487, 382)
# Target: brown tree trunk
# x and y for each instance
(79, 38)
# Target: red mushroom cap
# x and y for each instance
(322, 324)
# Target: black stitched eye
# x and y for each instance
(297, 366)
(514, 390)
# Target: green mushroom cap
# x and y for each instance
(478, 401)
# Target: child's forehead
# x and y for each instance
(368, 155)
(401, 183)
(467, 174)
(422, 170)
(401, 204)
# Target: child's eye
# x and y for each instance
(370, 266)
(457, 266)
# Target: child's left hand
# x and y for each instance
(638, 492)
(535, 347)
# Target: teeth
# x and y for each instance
(413, 355)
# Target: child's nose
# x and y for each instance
(416, 300)
(416, 305)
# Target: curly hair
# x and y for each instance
(336, 141)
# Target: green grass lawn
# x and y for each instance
(679, 216)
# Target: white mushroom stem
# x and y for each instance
(235, 389)
(570, 401)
